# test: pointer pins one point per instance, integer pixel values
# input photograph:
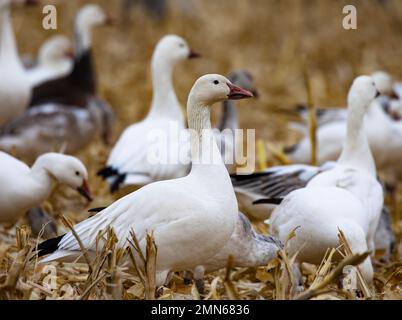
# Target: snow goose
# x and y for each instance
(229, 122)
(74, 88)
(15, 89)
(331, 131)
(248, 249)
(128, 163)
(260, 193)
(193, 216)
(55, 59)
(54, 127)
(348, 197)
(25, 188)
(65, 114)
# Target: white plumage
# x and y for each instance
(191, 217)
(348, 197)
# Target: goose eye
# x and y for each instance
(77, 173)
(216, 82)
(181, 45)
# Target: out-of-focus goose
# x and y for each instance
(260, 193)
(331, 131)
(74, 88)
(15, 88)
(187, 232)
(68, 115)
(229, 122)
(25, 188)
(55, 127)
(129, 161)
(55, 59)
(348, 197)
(248, 249)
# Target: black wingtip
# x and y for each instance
(49, 246)
(115, 186)
(275, 201)
(107, 172)
(96, 210)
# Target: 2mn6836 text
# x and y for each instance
(201, 309)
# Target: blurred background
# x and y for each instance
(270, 38)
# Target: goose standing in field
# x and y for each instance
(348, 197)
(260, 193)
(66, 114)
(193, 216)
(129, 163)
(229, 122)
(247, 247)
(75, 88)
(25, 188)
(15, 88)
(55, 59)
(331, 131)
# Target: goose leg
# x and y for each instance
(199, 279)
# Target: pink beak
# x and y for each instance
(85, 191)
(237, 93)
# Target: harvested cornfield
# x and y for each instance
(297, 52)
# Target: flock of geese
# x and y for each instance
(192, 208)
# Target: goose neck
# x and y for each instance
(164, 100)
(82, 37)
(42, 180)
(8, 47)
(356, 151)
(204, 150)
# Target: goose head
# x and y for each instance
(67, 170)
(362, 93)
(56, 49)
(172, 49)
(384, 84)
(213, 88)
(91, 15)
(243, 79)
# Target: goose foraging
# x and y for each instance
(348, 197)
(25, 188)
(187, 232)
(128, 161)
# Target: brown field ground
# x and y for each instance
(272, 39)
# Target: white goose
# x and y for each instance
(128, 162)
(331, 132)
(15, 89)
(348, 197)
(55, 59)
(65, 113)
(25, 188)
(193, 217)
(247, 247)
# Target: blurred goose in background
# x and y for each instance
(331, 131)
(229, 122)
(128, 163)
(260, 193)
(248, 249)
(187, 232)
(55, 59)
(348, 197)
(75, 88)
(68, 115)
(15, 88)
(25, 188)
